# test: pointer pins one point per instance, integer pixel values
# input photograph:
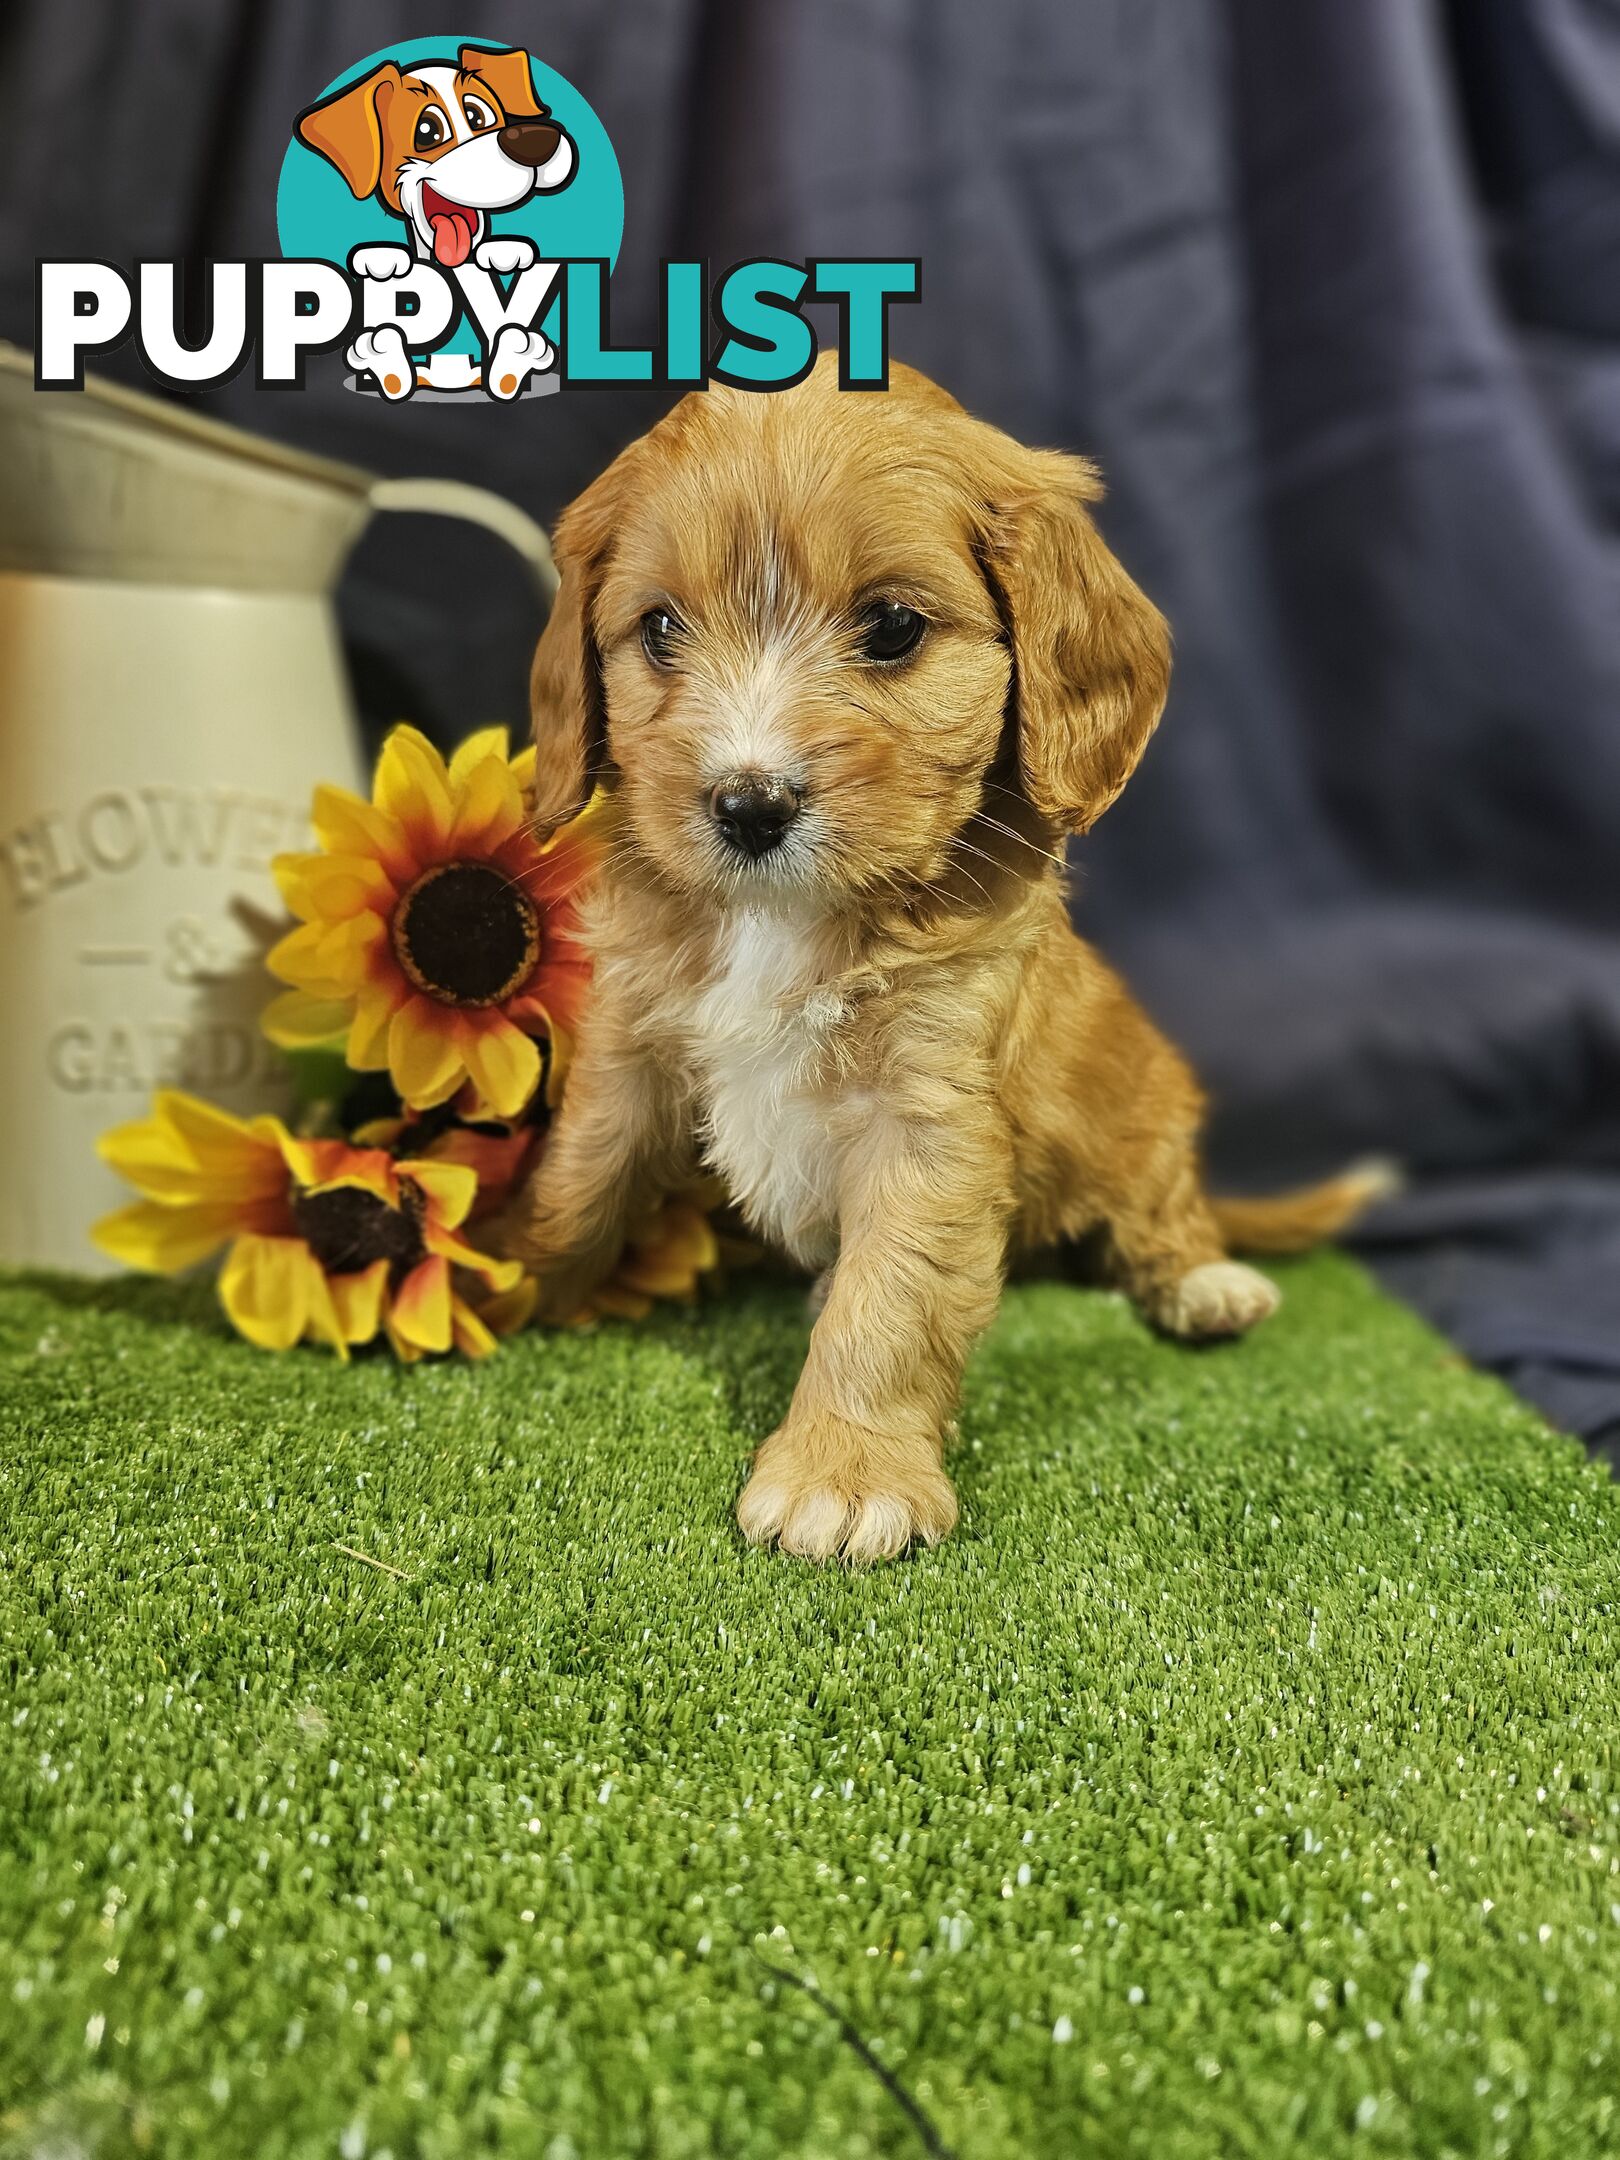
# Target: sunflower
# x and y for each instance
(327, 1240)
(434, 931)
(666, 1255)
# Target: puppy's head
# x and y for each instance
(442, 146)
(808, 637)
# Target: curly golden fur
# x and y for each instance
(882, 1033)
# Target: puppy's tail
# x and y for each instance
(1292, 1222)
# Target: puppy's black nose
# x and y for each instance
(754, 811)
(530, 142)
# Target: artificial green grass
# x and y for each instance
(1240, 1780)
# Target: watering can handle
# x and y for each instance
(455, 498)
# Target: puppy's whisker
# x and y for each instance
(983, 817)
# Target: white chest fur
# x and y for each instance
(761, 1033)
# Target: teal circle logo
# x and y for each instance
(458, 155)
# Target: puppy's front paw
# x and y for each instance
(380, 261)
(506, 254)
(829, 1491)
(1223, 1297)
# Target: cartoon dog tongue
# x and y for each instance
(453, 228)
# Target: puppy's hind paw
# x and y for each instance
(515, 356)
(382, 354)
(1223, 1297)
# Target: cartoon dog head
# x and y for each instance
(443, 146)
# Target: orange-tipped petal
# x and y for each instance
(495, 1159)
(328, 1165)
(264, 1288)
(503, 1062)
(419, 1312)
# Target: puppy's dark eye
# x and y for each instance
(430, 130)
(660, 631)
(890, 631)
(478, 114)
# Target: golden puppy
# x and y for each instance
(852, 668)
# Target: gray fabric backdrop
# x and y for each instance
(1333, 293)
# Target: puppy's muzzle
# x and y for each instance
(752, 812)
(530, 142)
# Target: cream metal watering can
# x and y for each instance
(171, 690)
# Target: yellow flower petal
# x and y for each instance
(359, 1301)
(295, 958)
(487, 742)
(332, 1165)
(330, 887)
(509, 1310)
(323, 1323)
(187, 1150)
(449, 1187)
(424, 1058)
(468, 1332)
(264, 1288)
(419, 1311)
(499, 1274)
(374, 1009)
(162, 1240)
(503, 1062)
(346, 824)
(403, 1348)
(215, 1138)
(298, 1018)
(489, 809)
(413, 787)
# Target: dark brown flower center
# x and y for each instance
(347, 1228)
(466, 935)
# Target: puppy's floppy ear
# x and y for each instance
(346, 130)
(1091, 653)
(565, 684)
(507, 74)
